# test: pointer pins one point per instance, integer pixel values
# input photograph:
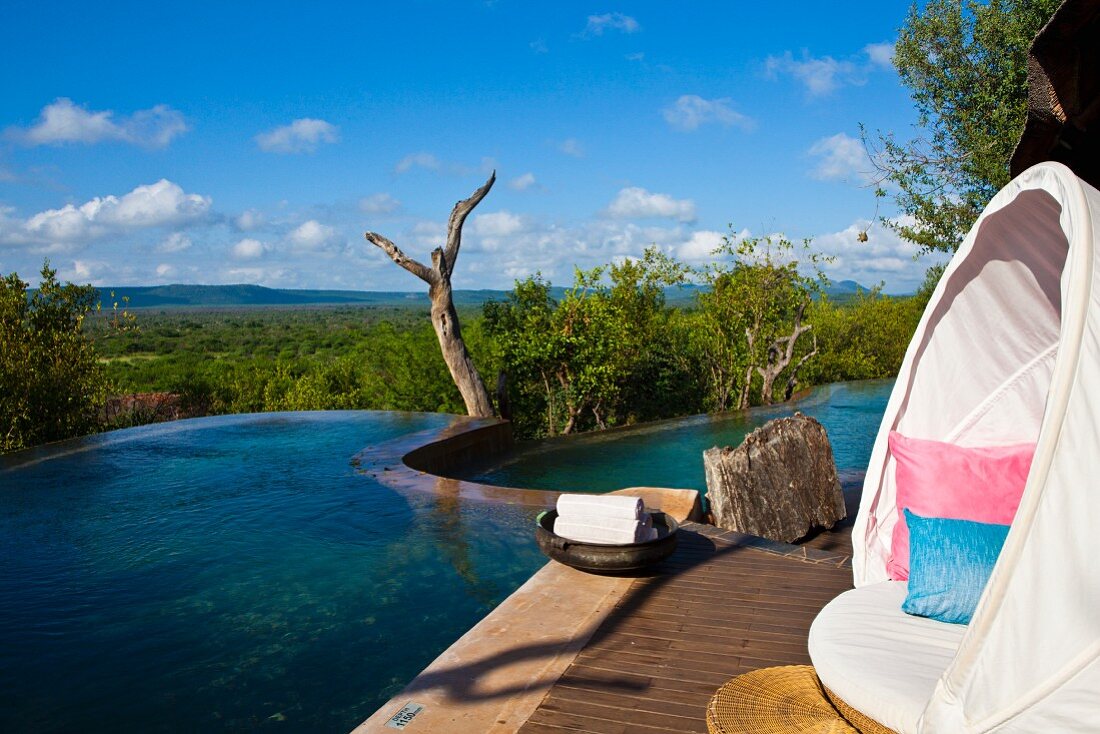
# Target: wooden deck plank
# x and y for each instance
(712, 611)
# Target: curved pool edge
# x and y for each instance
(416, 462)
(419, 462)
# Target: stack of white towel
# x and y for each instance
(611, 519)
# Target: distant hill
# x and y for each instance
(214, 296)
(169, 296)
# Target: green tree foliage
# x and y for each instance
(864, 339)
(51, 383)
(605, 355)
(609, 351)
(965, 64)
(752, 327)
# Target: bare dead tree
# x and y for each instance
(444, 316)
(780, 354)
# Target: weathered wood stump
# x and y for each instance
(780, 483)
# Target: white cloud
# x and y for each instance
(84, 271)
(424, 160)
(820, 76)
(63, 121)
(885, 257)
(880, 54)
(841, 157)
(249, 249)
(249, 220)
(164, 270)
(571, 147)
(300, 136)
(379, 204)
(597, 24)
(272, 276)
(638, 56)
(311, 236)
(160, 204)
(522, 182)
(699, 247)
(429, 235)
(539, 46)
(637, 203)
(497, 224)
(690, 111)
(175, 242)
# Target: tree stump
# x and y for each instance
(780, 483)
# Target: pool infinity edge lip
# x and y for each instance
(418, 462)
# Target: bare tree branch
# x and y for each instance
(419, 270)
(458, 217)
(443, 314)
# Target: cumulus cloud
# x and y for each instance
(636, 203)
(598, 24)
(379, 204)
(554, 249)
(522, 182)
(819, 75)
(300, 136)
(497, 224)
(880, 54)
(64, 121)
(84, 271)
(175, 242)
(272, 276)
(699, 247)
(164, 270)
(885, 257)
(690, 111)
(840, 157)
(161, 204)
(424, 160)
(312, 236)
(429, 235)
(248, 249)
(571, 147)
(249, 220)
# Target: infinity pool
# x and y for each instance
(670, 453)
(236, 572)
(233, 573)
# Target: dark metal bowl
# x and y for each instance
(602, 557)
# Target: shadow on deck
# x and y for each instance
(722, 605)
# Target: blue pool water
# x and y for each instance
(236, 573)
(233, 573)
(670, 453)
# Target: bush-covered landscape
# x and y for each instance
(609, 350)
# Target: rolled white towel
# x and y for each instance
(605, 530)
(578, 506)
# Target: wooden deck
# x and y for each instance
(722, 605)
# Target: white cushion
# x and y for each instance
(879, 660)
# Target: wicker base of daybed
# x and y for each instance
(783, 700)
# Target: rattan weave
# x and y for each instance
(782, 700)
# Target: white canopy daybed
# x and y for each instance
(1008, 351)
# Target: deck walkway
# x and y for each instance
(722, 605)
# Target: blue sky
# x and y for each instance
(145, 143)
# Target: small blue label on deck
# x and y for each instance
(402, 718)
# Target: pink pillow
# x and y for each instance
(936, 479)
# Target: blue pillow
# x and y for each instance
(949, 565)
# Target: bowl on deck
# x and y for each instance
(604, 557)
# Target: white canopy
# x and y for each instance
(1008, 351)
